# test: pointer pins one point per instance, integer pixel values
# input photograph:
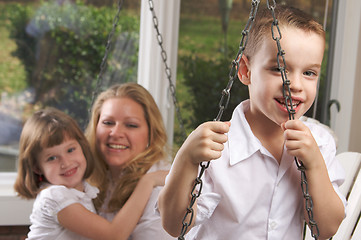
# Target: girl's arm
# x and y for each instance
(328, 209)
(78, 219)
(203, 144)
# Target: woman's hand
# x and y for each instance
(157, 177)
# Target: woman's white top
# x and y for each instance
(149, 225)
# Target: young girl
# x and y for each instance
(54, 161)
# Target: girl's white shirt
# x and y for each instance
(51, 200)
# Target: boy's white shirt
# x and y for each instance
(247, 195)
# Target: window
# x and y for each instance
(51, 56)
(209, 37)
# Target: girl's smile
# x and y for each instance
(63, 164)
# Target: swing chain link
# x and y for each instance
(226, 93)
(288, 102)
(195, 193)
(167, 70)
(107, 50)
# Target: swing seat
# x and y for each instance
(350, 228)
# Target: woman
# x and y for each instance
(128, 138)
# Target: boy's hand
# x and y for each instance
(205, 143)
(300, 143)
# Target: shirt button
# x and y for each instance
(272, 225)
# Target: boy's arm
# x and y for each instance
(78, 219)
(328, 209)
(203, 144)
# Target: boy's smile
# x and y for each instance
(303, 54)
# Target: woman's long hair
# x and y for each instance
(137, 167)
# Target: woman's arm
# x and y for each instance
(78, 219)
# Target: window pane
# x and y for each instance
(209, 38)
(51, 53)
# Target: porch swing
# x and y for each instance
(353, 179)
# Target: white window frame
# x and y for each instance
(151, 68)
(151, 74)
(346, 77)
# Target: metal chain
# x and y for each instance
(198, 183)
(288, 102)
(164, 58)
(226, 93)
(107, 50)
(167, 70)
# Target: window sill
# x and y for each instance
(14, 210)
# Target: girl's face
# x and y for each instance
(122, 132)
(63, 164)
(303, 54)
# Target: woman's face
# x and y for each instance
(122, 132)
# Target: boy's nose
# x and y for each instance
(295, 83)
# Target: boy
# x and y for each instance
(252, 190)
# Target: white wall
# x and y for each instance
(13, 210)
(346, 77)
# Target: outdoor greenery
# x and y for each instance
(61, 48)
(57, 50)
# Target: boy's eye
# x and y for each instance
(276, 69)
(310, 73)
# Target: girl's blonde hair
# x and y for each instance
(45, 128)
(138, 166)
(286, 17)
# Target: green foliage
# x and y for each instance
(62, 47)
(18, 17)
(206, 78)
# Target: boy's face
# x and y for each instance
(303, 55)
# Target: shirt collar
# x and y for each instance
(241, 140)
(242, 143)
(89, 191)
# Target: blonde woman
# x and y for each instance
(128, 138)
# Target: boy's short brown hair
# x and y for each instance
(286, 17)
